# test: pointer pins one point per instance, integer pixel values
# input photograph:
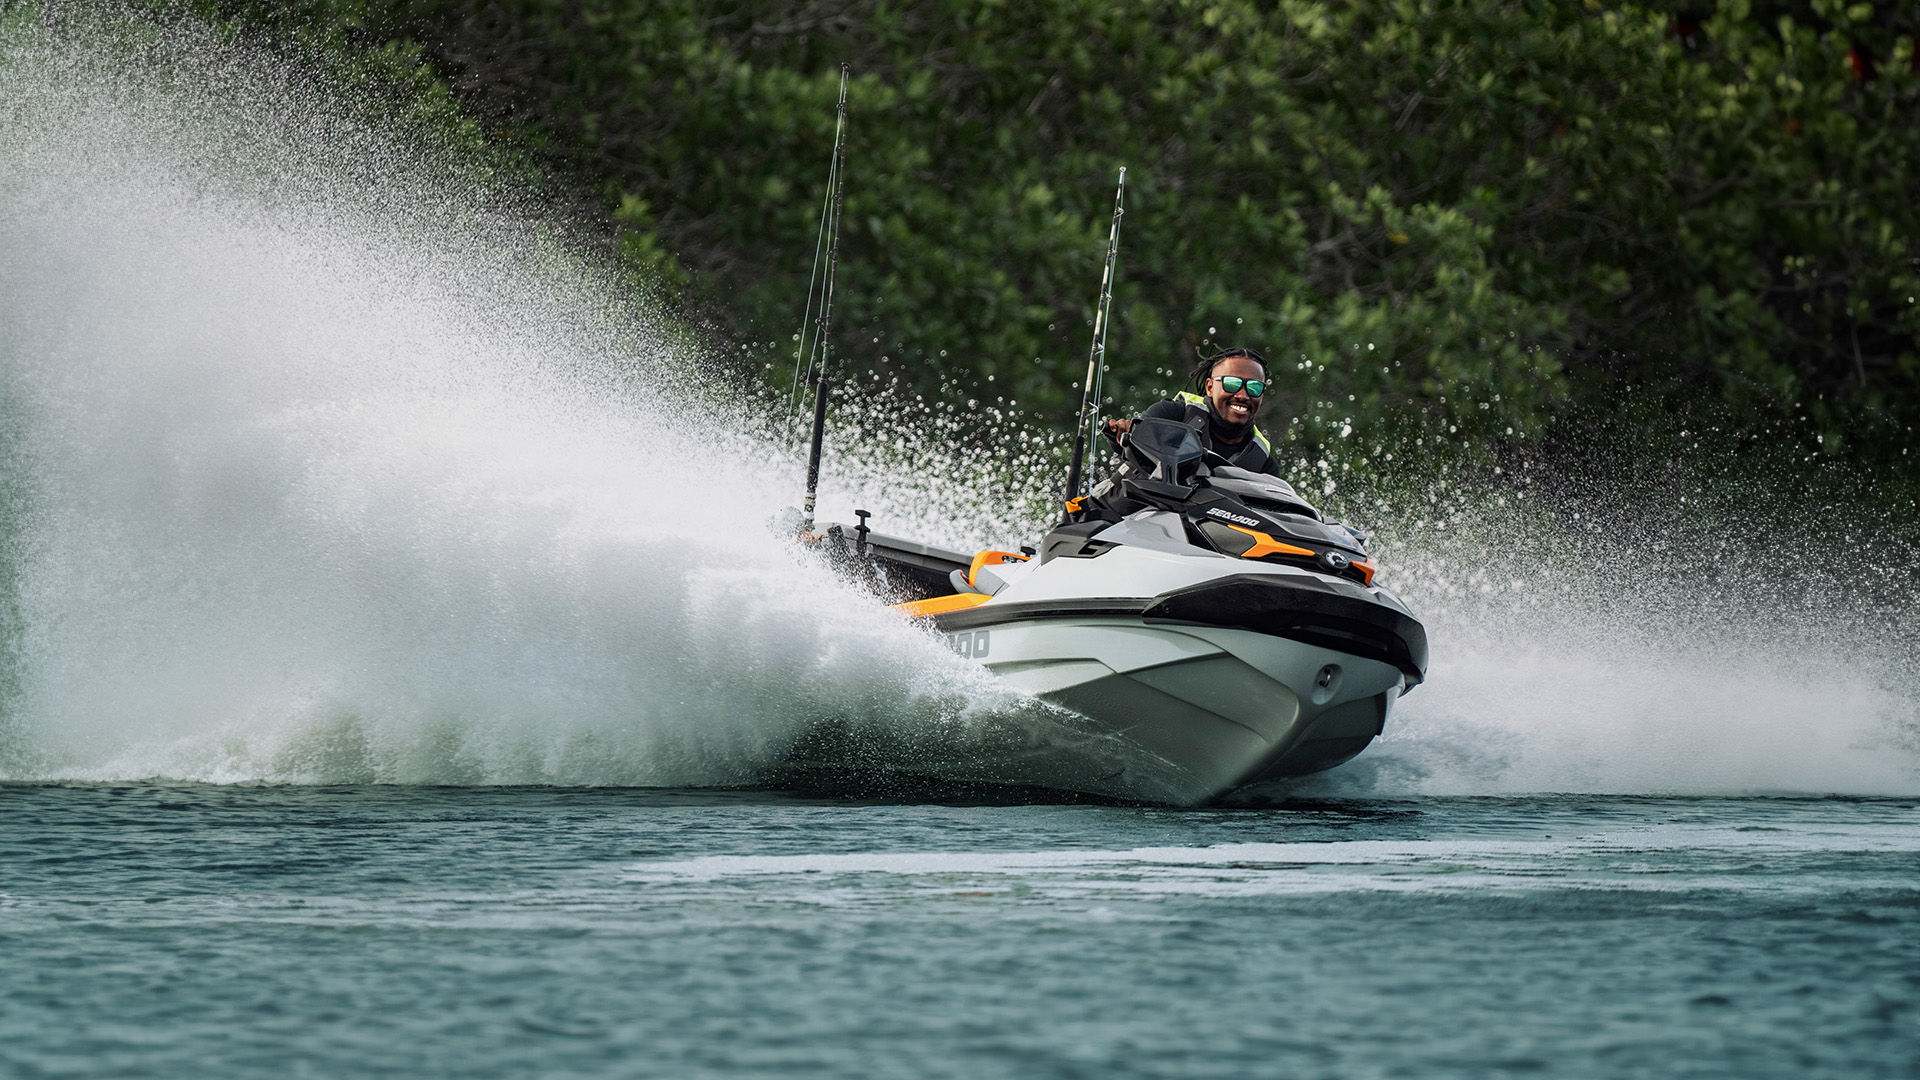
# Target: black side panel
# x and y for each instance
(1334, 615)
(1331, 614)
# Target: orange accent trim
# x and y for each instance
(991, 558)
(920, 609)
(1074, 505)
(1366, 571)
(1267, 545)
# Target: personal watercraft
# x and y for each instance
(1198, 628)
(1205, 621)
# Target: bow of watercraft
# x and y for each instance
(1221, 680)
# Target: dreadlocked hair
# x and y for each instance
(1204, 370)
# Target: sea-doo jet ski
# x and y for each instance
(1204, 617)
(1202, 626)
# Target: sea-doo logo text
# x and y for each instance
(1228, 515)
(972, 645)
(1335, 561)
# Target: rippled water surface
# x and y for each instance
(187, 930)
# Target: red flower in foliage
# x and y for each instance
(1861, 61)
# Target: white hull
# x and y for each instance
(1170, 673)
(1192, 712)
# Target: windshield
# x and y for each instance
(1171, 450)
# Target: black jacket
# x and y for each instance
(1254, 455)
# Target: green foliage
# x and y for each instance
(1466, 215)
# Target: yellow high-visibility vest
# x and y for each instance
(1187, 398)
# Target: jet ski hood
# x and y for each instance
(1224, 509)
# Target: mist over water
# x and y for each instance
(1639, 643)
(330, 476)
(328, 461)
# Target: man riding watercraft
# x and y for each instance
(1202, 627)
(1230, 385)
(1193, 625)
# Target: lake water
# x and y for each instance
(211, 931)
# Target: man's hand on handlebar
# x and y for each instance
(1116, 428)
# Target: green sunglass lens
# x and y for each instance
(1232, 384)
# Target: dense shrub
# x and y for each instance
(1471, 213)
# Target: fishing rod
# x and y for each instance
(1089, 420)
(830, 227)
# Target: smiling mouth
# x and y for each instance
(1237, 409)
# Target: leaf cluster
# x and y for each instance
(1467, 215)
